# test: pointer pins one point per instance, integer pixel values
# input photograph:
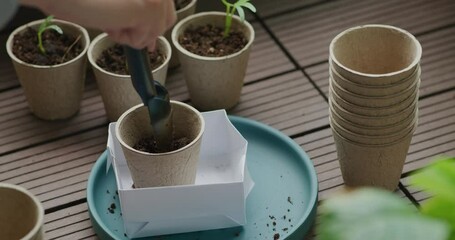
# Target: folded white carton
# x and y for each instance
(216, 200)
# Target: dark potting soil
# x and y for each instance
(179, 4)
(113, 60)
(209, 41)
(148, 144)
(59, 48)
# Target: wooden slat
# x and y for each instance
(437, 64)
(56, 172)
(307, 33)
(264, 8)
(419, 195)
(266, 59)
(19, 128)
(69, 223)
(288, 102)
(8, 76)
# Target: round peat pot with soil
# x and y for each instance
(53, 81)
(214, 66)
(152, 169)
(108, 62)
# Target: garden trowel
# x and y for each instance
(153, 95)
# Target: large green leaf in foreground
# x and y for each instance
(376, 215)
(439, 180)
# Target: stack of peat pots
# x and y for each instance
(374, 91)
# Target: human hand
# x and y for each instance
(136, 23)
(157, 17)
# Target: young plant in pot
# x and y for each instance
(49, 58)
(213, 49)
(108, 62)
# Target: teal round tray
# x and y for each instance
(283, 200)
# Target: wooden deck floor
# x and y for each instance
(286, 87)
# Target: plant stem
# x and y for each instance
(40, 43)
(228, 21)
(71, 46)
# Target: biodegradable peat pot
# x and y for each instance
(181, 14)
(375, 91)
(161, 169)
(377, 121)
(375, 54)
(374, 140)
(371, 101)
(372, 131)
(213, 82)
(52, 92)
(117, 90)
(22, 215)
(371, 165)
(409, 102)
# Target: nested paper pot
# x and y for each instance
(374, 101)
(181, 14)
(372, 165)
(375, 54)
(117, 90)
(161, 169)
(373, 121)
(405, 105)
(371, 139)
(372, 130)
(22, 215)
(52, 92)
(213, 82)
(375, 91)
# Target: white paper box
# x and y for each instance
(216, 200)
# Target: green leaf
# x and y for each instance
(249, 6)
(438, 179)
(55, 28)
(398, 227)
(440, 208)
(363, 203)
(376, 215)
(240, 12)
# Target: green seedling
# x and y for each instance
(230, 11)
(43, 27)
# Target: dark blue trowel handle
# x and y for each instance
(153, 95)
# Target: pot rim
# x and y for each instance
(40, 210)
(103, 36)
(9, 43)
(174, 37)
(411, 65)
(197, 138)
(188, 6)
(333, 71)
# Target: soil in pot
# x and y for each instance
(113, 60)
(179, 4)
(148, 144)
(209, 41)
(60, 48)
